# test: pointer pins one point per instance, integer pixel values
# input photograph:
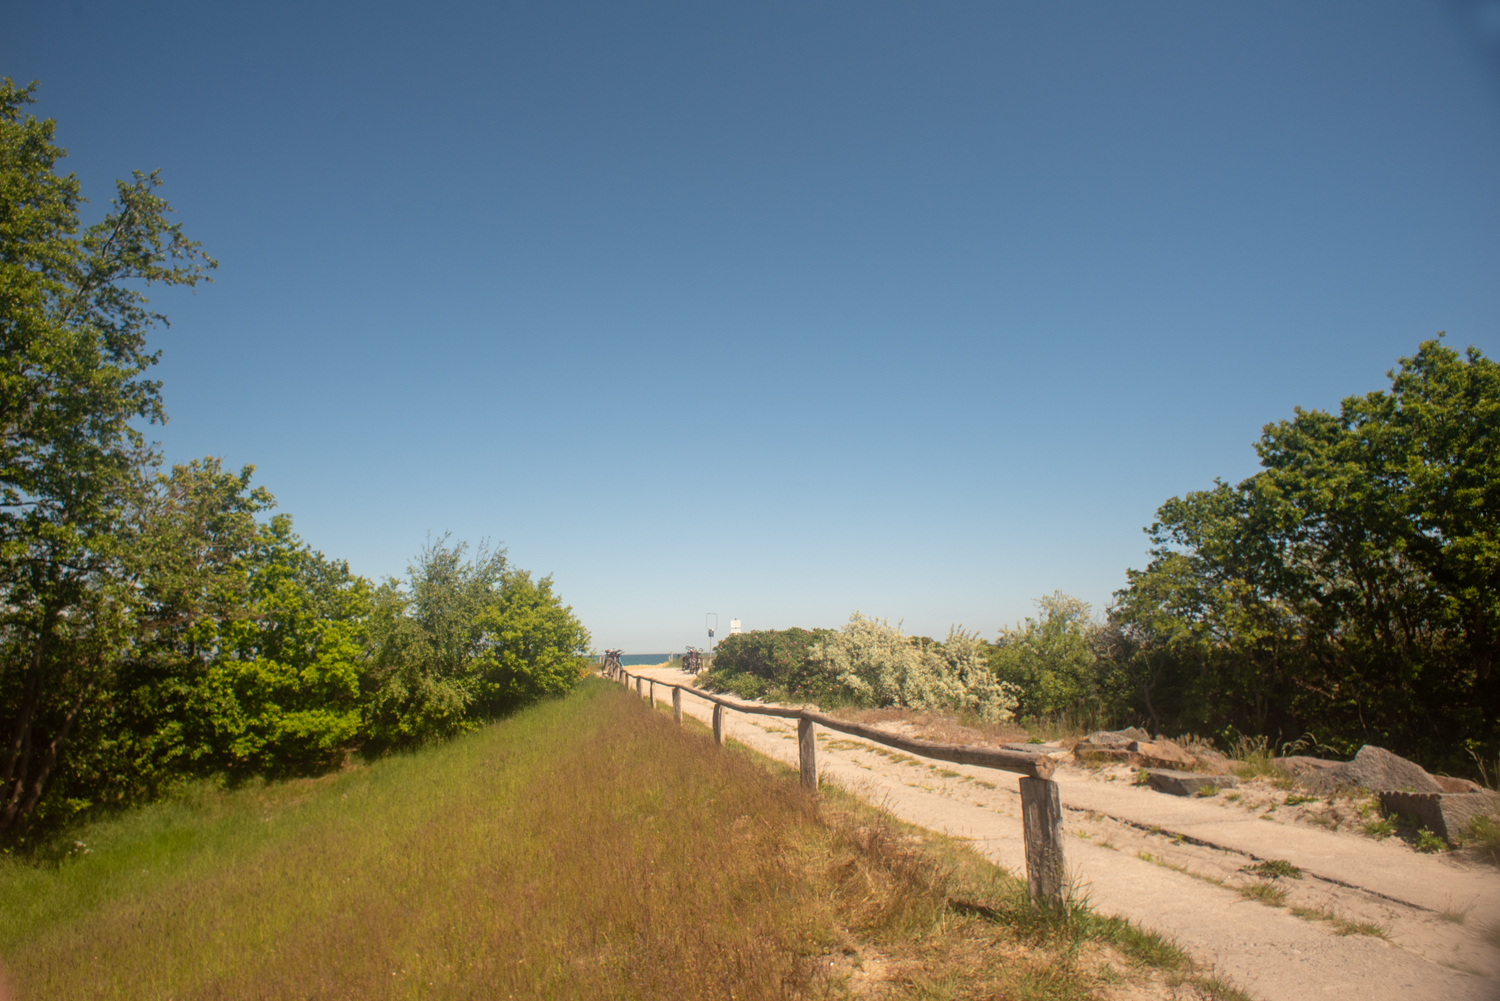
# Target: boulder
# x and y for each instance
(1374, 768)
(1446, 814)
(1298, 765)
(1087, 751)
(1209, 758)
(1106, 738)
(1378, 770)
(1162, 754)
(1177, 783)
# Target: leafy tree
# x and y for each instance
(466, 640)
(1352, 587)
(286, 690)
(73, 355)
(1051, 660)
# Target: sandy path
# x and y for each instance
(1160, 861)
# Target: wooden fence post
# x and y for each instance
(718, 724)
(653, 693)
(807, 753)
(640, 688)
(677, 703)
(1041, 819)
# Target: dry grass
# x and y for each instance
(588, 848)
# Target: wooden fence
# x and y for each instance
(1041, 809)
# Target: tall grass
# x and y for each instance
(587, 848)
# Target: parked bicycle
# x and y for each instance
(611, 666)
(692, 661)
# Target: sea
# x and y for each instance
(637, 659)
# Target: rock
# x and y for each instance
(1209, 758)
(1086, 751)
(1162, 753)
(1111, 737)
(1450, 784)
(1378, 770)
(1177, 783)
(1374, 768)
(1301, 764)
(1446, 814)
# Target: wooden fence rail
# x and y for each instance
(1041, 814)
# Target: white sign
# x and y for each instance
(734, 626)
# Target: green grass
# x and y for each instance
(1267, 893)
(1342, 925)
(587, 848)
(1274, 868)
(1483, 837)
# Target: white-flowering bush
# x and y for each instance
(881, 667)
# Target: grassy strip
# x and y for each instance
(587, 848)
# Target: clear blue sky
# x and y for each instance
(781, 310)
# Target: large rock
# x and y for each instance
(1161, 754)
(1107, 738)
(1177, 783)
(1378, 770)
(1373, 768)
(1086, 751)
(1446, 814)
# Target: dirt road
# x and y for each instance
(1369, 919)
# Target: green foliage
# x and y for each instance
(469, 640)
(73, 356)
(1052, 661)
(1273, 869)
(877, 665)
(153, 628)
(776, 658)
(1351, 588)
(1426, 841)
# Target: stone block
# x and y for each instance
(1162, 754)
(1177, 783)
(1446, 814)
(1112, 737)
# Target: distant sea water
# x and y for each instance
(637, 659)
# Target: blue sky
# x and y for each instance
(782, 310)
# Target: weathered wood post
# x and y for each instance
(1041, 819)
(718, 724)
(676, 703)
(653, 693)
(807, 753)
(640, 688)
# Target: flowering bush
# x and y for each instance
(879, 666)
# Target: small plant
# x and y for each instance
(1233, 797)
(1341, 925)
(1208, 791)
(1484, 838)
(1142, 777)
(1453, 917)
(1267, 893)
(1381, 827)
(1035, 740)
(1273, 868)
(1297, 799)
(1429, 842)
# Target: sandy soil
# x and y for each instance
(1177, 866)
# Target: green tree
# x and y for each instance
(466, 640)
(1051, 660)
(73, 356)
(1352, 587)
